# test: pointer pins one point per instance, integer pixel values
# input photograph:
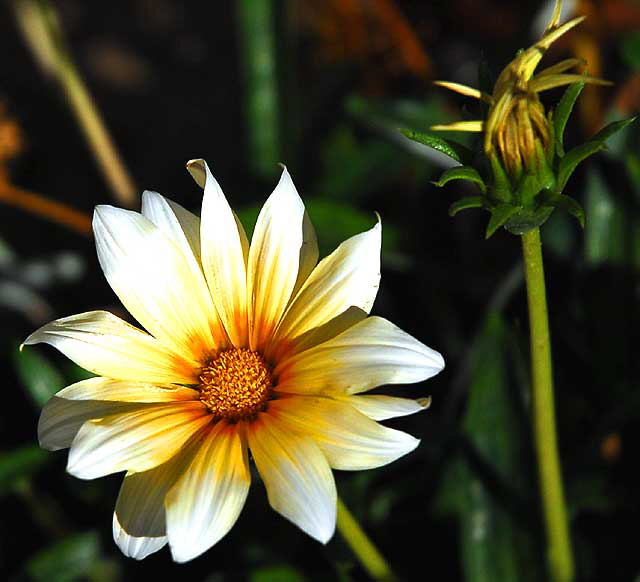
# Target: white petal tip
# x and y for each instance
(424, 402)
(137, 548)
(22, 345)
(149, 194)
(75, 471)
(180, 555)
(198, 170)
(321, 533)
(326, 537)
(81, 468)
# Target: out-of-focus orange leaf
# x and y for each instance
(365, 31)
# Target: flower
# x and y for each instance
(254, 348)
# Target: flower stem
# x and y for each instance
(43, 34)
(555, 513)
(368, 555)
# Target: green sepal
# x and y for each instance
(528, 219)
(535, 181)
(562, 113)
(500, 190)
(499, 216)
(464, 203)
(569, 205)
(456, 151)
(468, 173)
(579, 153)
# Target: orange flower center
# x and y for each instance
(236, 385)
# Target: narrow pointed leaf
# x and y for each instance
(464, 203)
(460, 153)
(468, 173)
(75, 557)
(19, 463)
(605, 232)
(499, 216)
(38, 375)
(257, 38)
(578, 154)
(562, 113)
(501, 187)
(569, 205)
(497, 541)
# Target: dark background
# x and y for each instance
(175, 81)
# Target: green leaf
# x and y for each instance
(41, 378)
(496, 538)
(334, 222)
(468, 173)
(279, 572)
(604, 235)
(378, 113)
(66, 561)
(499, 216)
(630, 50)
(258, 53)
(464, 203)
(569, 205)
(578, 154)
(562, 113)
(458, 152)
(20, 463)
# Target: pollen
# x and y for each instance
(236, 384)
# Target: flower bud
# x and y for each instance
(525, 168)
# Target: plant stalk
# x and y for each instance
(560, 555)
(38, 22)
(363, 548)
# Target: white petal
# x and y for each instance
(308, 253)
(106, 345)
(274, 259)
(180, 225)
(116, 390)
(224, 254)
(207, 500)
(348, 439)
(298, 479)
(380, 407)
(154, 281)
(349, 277)
(369, 354)
(139, 519)
(64, 414)
(138, 547)
(135, 441)
(61, 419)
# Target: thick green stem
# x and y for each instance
(368, 555)
(544, 422)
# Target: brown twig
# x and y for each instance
(42, 206)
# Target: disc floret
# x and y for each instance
(236, 384)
